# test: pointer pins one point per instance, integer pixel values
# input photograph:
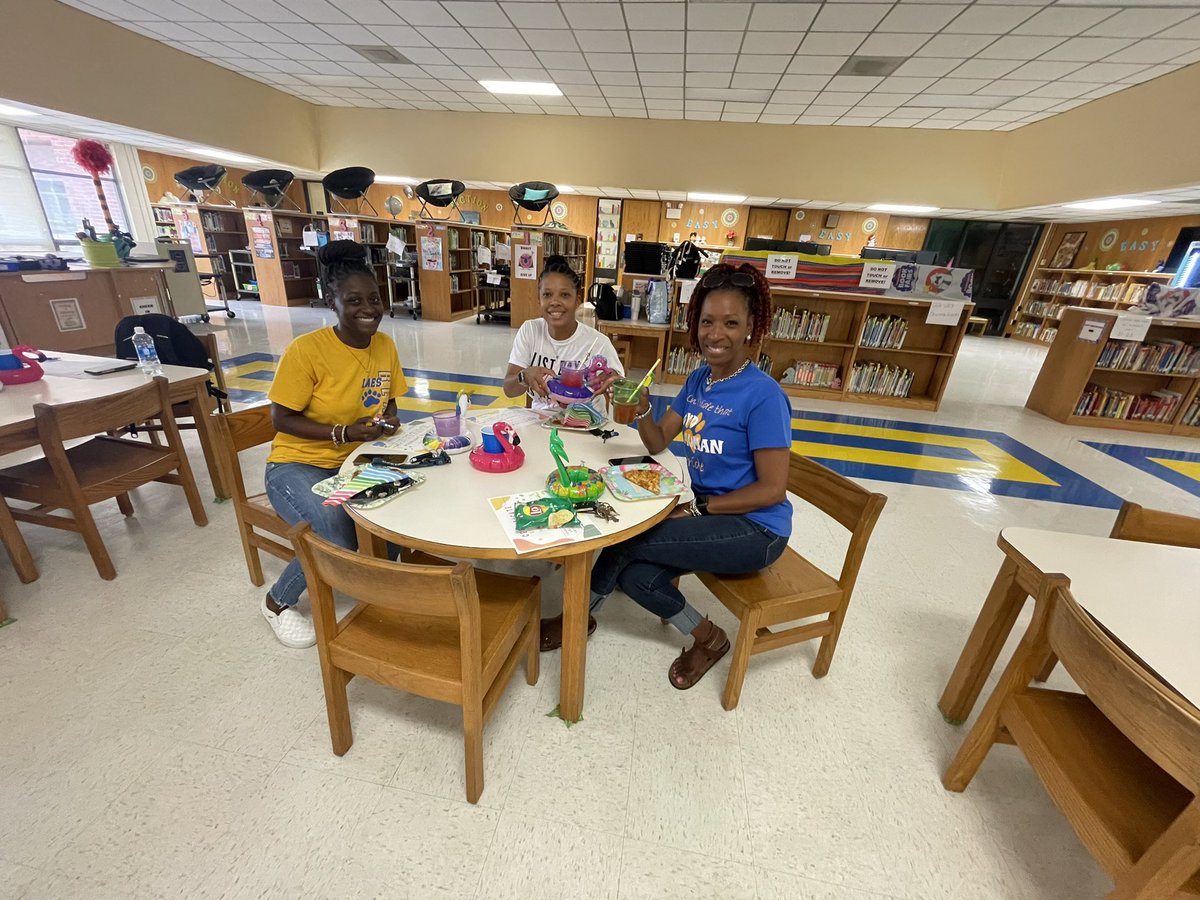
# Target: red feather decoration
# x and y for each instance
(92, 156)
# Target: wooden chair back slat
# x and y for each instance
(1152, 526)
(84, 418)
(1160, 722)
(833, 494)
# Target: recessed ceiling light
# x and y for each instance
(716, 198)
(565, 189)
(6, 110)
(396, 179)
(223, 155)
(901, 208)
(529, 88)
(1111, 203)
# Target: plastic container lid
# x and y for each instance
(139, 330)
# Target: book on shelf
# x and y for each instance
(883, 379)
(764, 363)
(884, 332)
(1047, 334)
(1098, 401)
(163, 215)
(366, 232)
(813, 374)
(1045, 308)
(682, 361)
(453, 284)
(1166, 357)
(1027, 329)
(211, 221)
(799, 325)
(452, 237)
(1192, 416)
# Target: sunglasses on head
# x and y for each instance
(720, 279)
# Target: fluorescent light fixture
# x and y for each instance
(901, 208)
(565, 189)
(223, 155)
(529, 88)
(396, 179)
(704, 196)
(6, 110)
(1111, 203)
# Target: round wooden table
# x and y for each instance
(450, 515)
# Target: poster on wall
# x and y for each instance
(343, 228)
(261, 238)
(189, 231)
(431, 254)
(931, 282)
(608, 229)
(67, 314)
(526, 261)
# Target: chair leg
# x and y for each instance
(473, 749)
(337, 708)
(95, 543)
(190, 491)
(14, 543)
(533, 651)
(253, 558)
(125, 504)
(742, 649)
(829, 642)
(1047, 668)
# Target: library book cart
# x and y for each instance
(832, 345)
(1048, 292)
(1148, 385)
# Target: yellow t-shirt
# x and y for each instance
(333, 384)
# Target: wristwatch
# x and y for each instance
(521, 377)
(701, 503)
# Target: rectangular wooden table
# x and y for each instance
(64, 382)
(633, 330)
(1146, 595)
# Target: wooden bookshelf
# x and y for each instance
(1049, 291)
(211, 231)
(926, 351)
(1073, 368)
(545, 242)
(492, 302)
(164, 221)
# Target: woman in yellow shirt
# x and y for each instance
(334, 388)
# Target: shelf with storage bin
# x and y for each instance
(1090, 288)
(1075, 389)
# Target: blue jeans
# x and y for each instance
(289, 488)
(645, 566)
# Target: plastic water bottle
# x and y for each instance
(147, 355)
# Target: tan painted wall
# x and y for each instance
(1139, 245)
(55, 56)
(849, 237)
(164, 166)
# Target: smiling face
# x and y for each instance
(558, 299)
(725, 324)
(359, 308)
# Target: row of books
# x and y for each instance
(1027, 329)
(813, 374)
(563, 246)
(1047, 334)
(1084, 289)
(1192, 416)
(799, 325)
(1121, 293)
(1109, 403)
(163, 216)
(883, 379)
(1170, 357)
(681, 361)
(212, 221)
(884, 332)
(1045, 308)
(290, 270)
(366, 233)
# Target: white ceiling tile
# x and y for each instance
(611, 41)
(639, 113)
(746, 80)
(594, 15)
(625, 91)
(1087, 49)
(959, 85)
(298, 52)
(883, 98)
(558, 60)
(777, 119)
(177, 12)
(306, 33)
(610, 62)
(665, 79)
(739, 106)
(892, 44)
(319, 11)
(920, 67)
(657, 41)
(894, 122)
(594, 111)
(990, 18)
(426, 56)
(401, 36)
(215, 31)
(1032, 104)
(750, 62)
(1064, 20)
(874, 112)
(335, 52)
(662, 93)
(550, 39)
(727, 95)
(172, 31)
(624, 77)
(660, 62)
(463, 57)
(444, 73)
(1001, 115)
(1148, 73)
(816, 120)
(484, 73)
(765, 41)
(664, 114)
(803, 82)
(857, 122)
(832, 44)
(363, 68)
(497, 38)
(366, 12)
(508, 58)
(1141, 22)
(958, 46)
(920, 17)
(624, 102)
(850, 16)
(790, 97)
(711, 42)
(1044, 70)
(1106, 73)
(641, 16)
(828, 109)
(786, 109)
(477, 14)
(957, 101)
(1064, 90)
(839, 98)
(416, 12)
(400, 70)
(448, 37)
(1187, 29)
(564, 77)
(519, 73)
(717, 62)
(853, 83)
(575, 91)
(900, 83)
(1154, 50)
(1020, 47)
(718, 16)
(909, 112)
(985, 68)
(705, 105)
(783, 16)
(1012, 87)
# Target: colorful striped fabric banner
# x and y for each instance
(813, 273)
(369, 477)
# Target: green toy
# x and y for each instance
(575, 483)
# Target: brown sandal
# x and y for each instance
(691, 665)
(551, 632)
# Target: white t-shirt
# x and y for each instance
(533, 346)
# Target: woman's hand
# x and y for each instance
(368, 428)
(389, 423)
(535, 379)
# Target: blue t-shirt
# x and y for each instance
(724, 425)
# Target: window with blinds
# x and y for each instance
(23, 225)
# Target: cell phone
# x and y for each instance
(631, 460)
(389, 461)
(111, 367)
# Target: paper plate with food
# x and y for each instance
(641, 481)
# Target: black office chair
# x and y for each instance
(534, 196)
(271, 185)
(202, 179)
(350, 183)
(440, 192)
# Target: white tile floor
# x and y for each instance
(157, 741)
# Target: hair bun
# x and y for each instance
(341, 251)
(557, 263)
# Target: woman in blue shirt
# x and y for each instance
(737, 424)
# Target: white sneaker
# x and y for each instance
(291, 626)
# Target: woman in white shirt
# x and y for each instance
(543, 345)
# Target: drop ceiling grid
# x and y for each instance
(971, 64)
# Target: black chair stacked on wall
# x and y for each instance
(442, 193)
(351, 183)
(199, 180)
(534, 196)
(271, 185)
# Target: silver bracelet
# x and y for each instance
(333, 435)
(643, 415)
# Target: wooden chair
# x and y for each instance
(236, 432)
(102, 468)
(792, 587)
(183, 411)
(1149, 526)
(450, 633)
(1121, 760)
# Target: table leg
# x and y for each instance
(576, 576)
(200, 407)
(991, 630)
(369, 543)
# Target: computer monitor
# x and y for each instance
(1186, 236)
(892, 255)
(774, 246)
